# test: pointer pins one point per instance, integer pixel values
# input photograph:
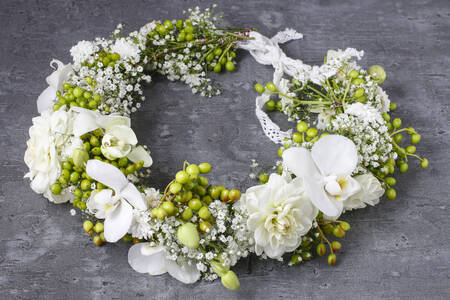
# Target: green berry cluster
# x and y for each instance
(316, 241)
(96, 231)
(190, 194)
(77, 96)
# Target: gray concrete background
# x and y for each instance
(398, 249)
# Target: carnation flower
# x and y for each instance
(126, 49)
(370, 193)
(280, 213)
(82, 51)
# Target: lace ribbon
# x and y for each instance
(267, 52)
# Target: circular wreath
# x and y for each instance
(82, 150)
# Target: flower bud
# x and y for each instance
(219, 268)
(188, 235)
(80, 157)
(230, 281)
(378, 74)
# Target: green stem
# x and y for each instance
(345, 94)
(318, 92)
(300, 101)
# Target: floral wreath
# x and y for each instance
(82, 150)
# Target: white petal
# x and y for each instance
(123, 133)
(45, 99)
(145, 259)
(185, 273)
(139, 153)
(118, 222)
(57, 78)
(84, 122)
(106, 174)
(335, 155)
(113, 120)
(300, 162)
(133, 196)
(350, 188)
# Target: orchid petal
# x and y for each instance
(335, 155)
(184, 273)
(84, 122)
(106, 174)
(113, 120)
(114, 152)
(123, 133)
(146, 259)
(118, 222)
(57, 78)
(45, 99)
(133, 196)
(139, 153)
(350, 188)
(299, 161)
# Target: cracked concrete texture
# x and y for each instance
(398, 249)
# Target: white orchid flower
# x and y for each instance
(119, 139)
(326, 171)
(115, 205)
(144, 258)
(55, 82)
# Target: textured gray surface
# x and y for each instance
(398, 249)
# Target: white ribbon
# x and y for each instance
(267, 52)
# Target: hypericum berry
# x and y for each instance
(391, 194)
(87, 225)
(187, 214)
(217, 68)
(336, 246)
(271, 87)
(411, 149)
(234, 195)
(403, 168)
(259, 88)
(359, 92)
(390, 181)
(377, 73)
(297, 137)
(344, 225)
(392, 106)
(302, 126)
(338, 231)
(353, 74)
(175, 188)
(56, 188)
(160, 213)
(270, 105)
(311, 132)
(263, 177)
(225, 195)
(98, 241)
(205, 226)
(98, 227)
(229, 65)
(332, 259)
(424, 163)
(204, 213)
(85, 184)
(204, 168)
(321, 249)
(202, 181)
(195, 204)
(397, 123)
(193, 170)
(168, 207)
(398, 138)
(415, 138)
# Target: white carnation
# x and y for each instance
(370, 193)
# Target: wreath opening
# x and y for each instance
(83, 150)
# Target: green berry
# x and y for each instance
(336, 246)
(415, 138)
(398, 138)
(321, 249)
(386, 117)
(205, 226)
(234, 195)
(311, 132)
(403, 168)
(271, 87)
(270, 105)
(297, 137)
(85, 185)
(390, 181)
(130, 169)
(411, 149)
(344, 225)
(195, 204)
(392, 106)
(98, 227)
(302, 126)
(160, 213)
(204, 213)
(338, 231)
(391, 194)
(182, 177)
(204, 168)
(87, 225)
(229, 66)
(424, 163)
(357, 81)
(217, 68)
(377, 73)
(97, 240)
(359, 92)
(397, 123)
(168, 24)
(77, 92)
(353, 74)
(218, 51)
(202, 181)
(193, 170)
(74, 176)
(225, 195)
(259, 88)
(168, 207)
(67, 165)
(187, 214)
(123, 162)
(56, 188)
(175, 188)
(332, 259)
(263, 177)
